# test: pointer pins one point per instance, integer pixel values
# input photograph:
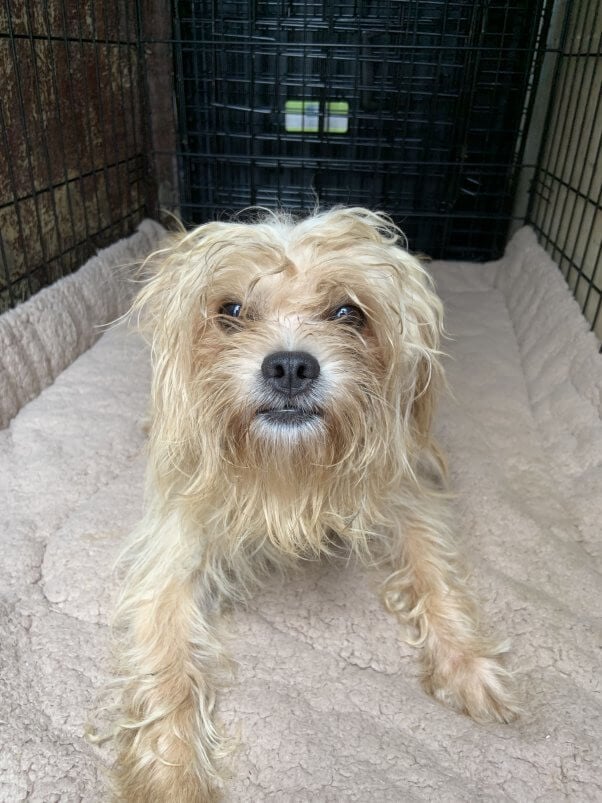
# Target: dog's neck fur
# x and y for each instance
(290, 505)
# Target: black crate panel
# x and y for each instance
(434, 93)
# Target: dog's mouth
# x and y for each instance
(289, 415)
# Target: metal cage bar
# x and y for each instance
(73, 151)
(566, 192)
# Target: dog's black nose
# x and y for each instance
(290, 372)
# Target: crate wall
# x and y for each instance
(565, 206)
(72, 153)
(435, 92)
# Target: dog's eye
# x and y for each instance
(349, 314)
(231, 308)
(229, 312)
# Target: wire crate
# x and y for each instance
(432, 110)
(412, 107)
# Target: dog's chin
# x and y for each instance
(288, 421)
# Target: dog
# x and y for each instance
(296, 366)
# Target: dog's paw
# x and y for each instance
(150, 778)
(159, 761)
(479, 686)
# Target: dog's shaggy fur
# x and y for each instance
(295, 370)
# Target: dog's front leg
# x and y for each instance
(427, 590)
(169, 659)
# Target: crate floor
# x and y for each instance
(327, 695)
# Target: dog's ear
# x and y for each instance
(169, 305)
(417, 315)
(175, 277)
(169, 311)
(427, 311)
(420, 328)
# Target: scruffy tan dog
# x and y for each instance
(295, 370)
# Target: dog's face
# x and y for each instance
(292, 346)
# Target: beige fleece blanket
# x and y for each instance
(327, 696)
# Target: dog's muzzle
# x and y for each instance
(290, 376)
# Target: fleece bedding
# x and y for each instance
(326, 698)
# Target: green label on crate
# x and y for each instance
(337, 117)
(302, 116)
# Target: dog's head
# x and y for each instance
(291, 348)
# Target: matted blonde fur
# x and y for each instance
(230, 496)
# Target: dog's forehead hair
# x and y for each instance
(284, 267)
(296, 288)
(292, 274)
